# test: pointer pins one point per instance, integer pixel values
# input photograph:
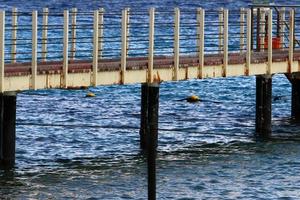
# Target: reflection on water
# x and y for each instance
(221, 171)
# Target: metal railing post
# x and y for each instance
(225, 44)
(34, 51)
(95, 47)
(124, 48)
(201, 25)
(66, 49)
(291, 40)
(176, 43)
(249, 42)
(151, 44)
(270, 38)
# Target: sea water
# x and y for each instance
(206, 150)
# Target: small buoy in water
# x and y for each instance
(90, 94)
(192, 99)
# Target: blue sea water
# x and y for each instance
(206, 150)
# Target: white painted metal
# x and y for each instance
(225, 45)
(270, 37)
(201, 25)
(124, 45)
(248, 46)
(22, 82)
(66, 50)
(34, 50)
(95, 47)
(14, 35)
(45, 34)
(291, 39)
(151, 44)
(176, 43)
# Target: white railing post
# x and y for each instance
(225, 45)
(2, 50)
(151, 44)
(221, 29)
(14, 35)
(291, 40)
(124, 45)
(34, 50)
(73, 33)
(200, 33)
(248, 45)
(100, 32)
(270, 45)
(66, 49)
(45, 34)
(176, 43)
(95, 47)
(242, 30)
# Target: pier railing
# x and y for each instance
(70, 36)
(171, 31)
(221, 28)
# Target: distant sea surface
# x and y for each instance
(206, 150)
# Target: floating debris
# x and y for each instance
(90, 94)
(192, 99)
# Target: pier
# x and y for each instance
(74, 49)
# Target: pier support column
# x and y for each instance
(149, 131)
(295, 98)
(7, 129)
(263, 126)
(144, 116)
(152, 137)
